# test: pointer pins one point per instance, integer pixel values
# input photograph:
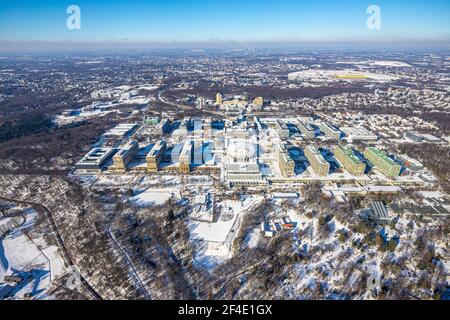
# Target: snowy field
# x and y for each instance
(110, 180)
(150, 198)
(215, 239)
(21, 257)
(335, 75)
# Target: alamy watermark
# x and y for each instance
(373, 279)
(373, 22)
(74, 280)
(73, 21)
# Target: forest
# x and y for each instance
(12, 129)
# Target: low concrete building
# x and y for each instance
(95, 160)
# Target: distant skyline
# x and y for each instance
(157, 23)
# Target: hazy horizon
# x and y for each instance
(50, 46)
(31, 25)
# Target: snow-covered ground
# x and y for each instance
(253, 238)
(215, 239)
(22, 257)
(106, 180)
(335, 75)
(150, 198)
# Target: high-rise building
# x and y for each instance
(125, 155)
(207, 129)
(155, 155)
(163, 127)
(330, 131)
(318, 163)
(350, 161)
(282, 129)
(382, 162)
(185, 158)
(219, 99)
(287, 165)
(306, 130)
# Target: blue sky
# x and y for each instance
(224, 20)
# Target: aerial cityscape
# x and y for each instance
(224, 171)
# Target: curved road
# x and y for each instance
(68, 258)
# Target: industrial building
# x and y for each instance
(306, 130)
(330, 131)
(430, 138)
(125, 155)
(379, 212)
(349, 161)
(382, 162)
(359, 134)
(286, 164)
(319, 165)
(409, 162)
(120, 131)
(244, 174)
(413, 136)
(154, 157)
(184, 159)
(95, 160)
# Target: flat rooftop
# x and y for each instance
(316, 154)
(156, 150)
(382, 155)
(96, 156)
(350, 154)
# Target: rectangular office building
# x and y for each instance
(282, 129)
(95, 160)
(185, 158)
(306, 130)
(330, 131)
(287, 165)
(350, 161)
(155, 155)
(163, 127)
(125, 155)
(382, 162)
(318, 163)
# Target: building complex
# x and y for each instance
(382, 162)
(349, 161)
